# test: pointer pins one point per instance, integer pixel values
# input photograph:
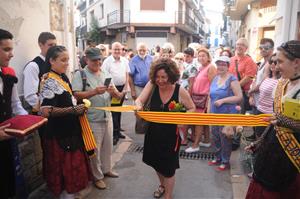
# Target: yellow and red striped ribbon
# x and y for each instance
(87, 134)
(195, 118)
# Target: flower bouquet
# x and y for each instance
(176, 107)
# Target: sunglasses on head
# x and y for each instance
(289, 49)
(273, 62)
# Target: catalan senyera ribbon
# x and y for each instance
(194, 118)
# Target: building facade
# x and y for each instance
(152, 22)
(256, 19)
(26, 19)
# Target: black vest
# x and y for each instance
(5, 97)
(43, 68)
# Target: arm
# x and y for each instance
(212, 72)
(16, 104)
(284, 121)
(245, 80)
(88, 94)
(208, 104)
(191, 84)
(113, 91)
(132, 88)
(51, 111)
(140, 101)
(238, 96)
(186, 100)
(31, 83)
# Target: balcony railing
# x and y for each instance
(118, 18)
(182, 19)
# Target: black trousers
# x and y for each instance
(116, 116)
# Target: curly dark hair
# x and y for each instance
(169, 66)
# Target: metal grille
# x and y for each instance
(201, 155)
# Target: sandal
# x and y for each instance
(159, 192)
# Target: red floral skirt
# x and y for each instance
(256, 191)
(63, 170)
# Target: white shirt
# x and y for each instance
(31, 82)
(16, 104)
(117, 68)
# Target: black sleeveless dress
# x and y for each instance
(162, 141)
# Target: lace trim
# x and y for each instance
(50, 88)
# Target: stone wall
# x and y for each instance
(31, 161)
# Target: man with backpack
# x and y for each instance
(95, 84)
(34, 70)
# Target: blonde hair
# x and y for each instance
(204, 50)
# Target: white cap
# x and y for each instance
(223, 59)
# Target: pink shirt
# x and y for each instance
(201, 83)
(265, 100)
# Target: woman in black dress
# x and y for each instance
(162, 141)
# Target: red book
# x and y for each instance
(21, 125)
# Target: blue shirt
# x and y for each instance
(139, 70)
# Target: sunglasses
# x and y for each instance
(124, 49)
(289, 49)
(263, 47)
(273, 62)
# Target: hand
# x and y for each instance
(251, 101)
(249, 148)
(100, 90)
(133, 95)
(272, 119)
(218, 103)
(3, 135)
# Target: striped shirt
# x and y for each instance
(265, 101)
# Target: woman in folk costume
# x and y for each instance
(277, 165)
(66, 168)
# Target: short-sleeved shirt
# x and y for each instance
(117, 68)
(190, 70)
(100, 100)
(139, 70)
(246, 67)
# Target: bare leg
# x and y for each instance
(198, 135)
(161, 178)
(206, 134)
(169, 186)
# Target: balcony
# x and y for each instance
(236, 8)
(185, 22)
(118, 19)
(81, 31)
(194, 4)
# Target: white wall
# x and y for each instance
(286, 20)
(26, 19)
(167, 16)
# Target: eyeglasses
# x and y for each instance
(265, 47)
(287, 47)
(273, 62)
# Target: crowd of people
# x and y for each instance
(228, 83)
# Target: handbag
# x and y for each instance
(199, 100)
(142, 125)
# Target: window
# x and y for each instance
(153, 5)
(101, 14)
(91, 2)
(92, 14)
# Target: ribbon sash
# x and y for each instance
(285, 136)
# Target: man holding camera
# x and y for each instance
(94, 84)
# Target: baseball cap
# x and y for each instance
(93, 53)
(223, 59)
